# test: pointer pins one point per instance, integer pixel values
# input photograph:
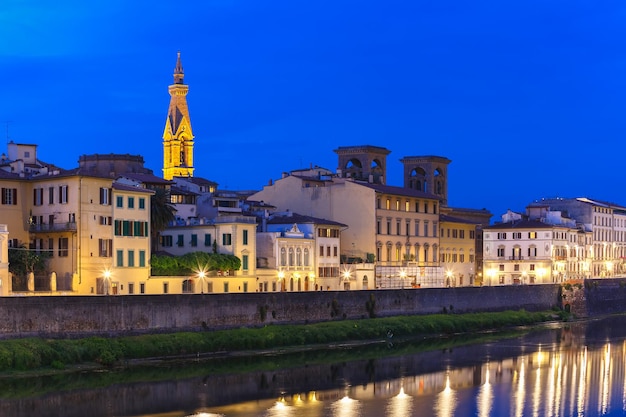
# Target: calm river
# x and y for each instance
(576, 369)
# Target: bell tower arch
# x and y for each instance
(428, 174)
(364, 163)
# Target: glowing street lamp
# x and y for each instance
(201, 275)
(106, 281)
(402, 276)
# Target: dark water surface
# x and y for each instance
(575, 369)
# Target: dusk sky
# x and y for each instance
(527, 98)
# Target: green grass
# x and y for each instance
(33, 353)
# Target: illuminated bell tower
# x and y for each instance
(177, 136)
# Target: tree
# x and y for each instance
(162, 213)
(23, 261)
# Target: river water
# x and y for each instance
(574, 369)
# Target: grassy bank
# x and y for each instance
(33, 353)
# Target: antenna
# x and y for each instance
(6, 122)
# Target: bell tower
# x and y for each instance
(178, 136)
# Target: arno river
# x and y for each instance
(575, 369)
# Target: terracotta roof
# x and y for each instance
(451, 219)
(146, 178)
(523, 224)
(407, 192)
(124, 187)
(299, 218)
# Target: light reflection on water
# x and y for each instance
(557, 373)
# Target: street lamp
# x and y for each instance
(402, 276)
(449, 277)
(107, 278)
(201, 275)
(281, 277)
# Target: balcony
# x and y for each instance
(55, 227)
(516, 258)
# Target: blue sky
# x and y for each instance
(527, 98)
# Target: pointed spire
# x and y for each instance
(178, 71)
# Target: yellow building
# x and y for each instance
(178, 136)
(5, 283)
(458, 251)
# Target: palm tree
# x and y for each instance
(162, 213)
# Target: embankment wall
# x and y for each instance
(77, 316)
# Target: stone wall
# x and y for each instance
(75, 316)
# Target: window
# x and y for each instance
(425, 229)
(454, 257)
(461, 258)
(417, 227)
(105, 196)
(142, 203)
(425, 207)
(397, 205)
(63, 247)
(388, 204)
(142, 258)
(501, 252)
(408, 227)
(142, 287)
(119, 201)
(388, 227)
(63, 194)
(105, 248)
(9, 196)
(166, 288)
(131, 288)
(166, 241)
(516, 267)
(180, 241)
(283, 256)
(398, 231)
(106, 220)
(435, 227)
(378, 203)
(532, 267)
(502, 236)
(245, 237)
(194, 240)
(38, 196)
(226, 287)
(378, 226)
(131, 258)
(472, 234)
(471, 259)
(207, 239)
(532, 235)
(462, 234)
(119, 257)
(517, 235)
(501, 268)
(306, 257)
(327, 250)
(226, 239)
(291, 262)
(50, 246)
(244, 262)
(335, 251)
(131, 202)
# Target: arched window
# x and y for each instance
(365, 282)
(291, 263)
(188, 286)
(299, 257)
(283, 257)
(306, 257)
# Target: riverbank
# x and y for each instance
(20, 355)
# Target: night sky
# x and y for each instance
(527, 98)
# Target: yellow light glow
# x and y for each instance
(281, 275)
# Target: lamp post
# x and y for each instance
(449, 278)
(107, 278)
(402, 277)
(201, 275)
